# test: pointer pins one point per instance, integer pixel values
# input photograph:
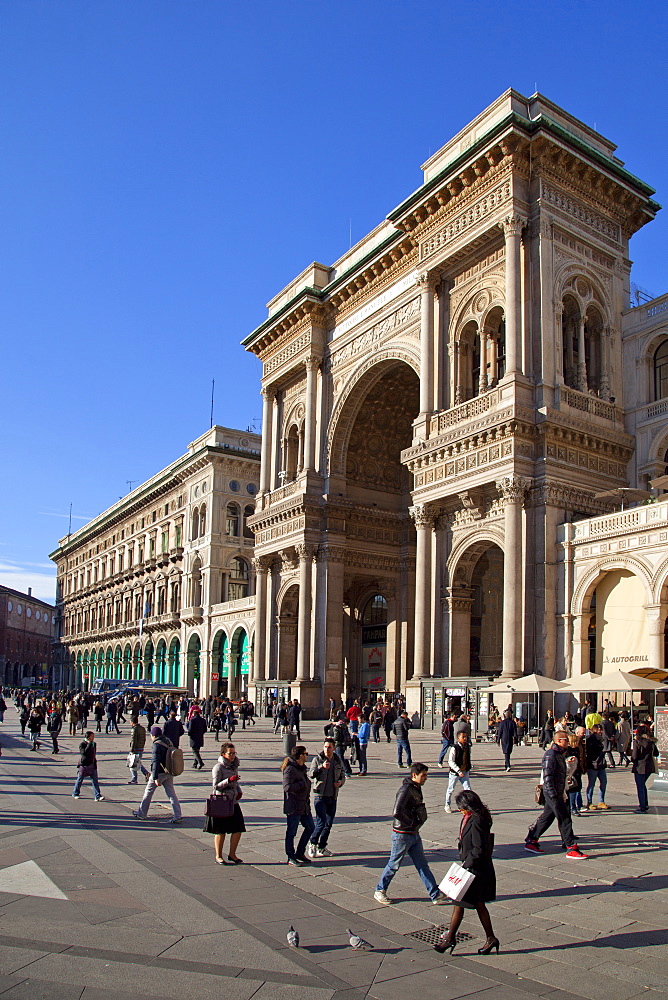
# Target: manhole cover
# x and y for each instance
(431, 934)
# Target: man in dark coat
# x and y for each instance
(554, 791)
(196, 731)
(173, 729)
(410, 813)
(506, 735)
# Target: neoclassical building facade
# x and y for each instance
(438, 404)
(161, 585)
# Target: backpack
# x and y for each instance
(446, 729)
(174, 763)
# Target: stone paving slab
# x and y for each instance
(173, 890)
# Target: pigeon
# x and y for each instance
(356, 942)
(293, 937)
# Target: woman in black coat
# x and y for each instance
(297, 805)
(476, 844)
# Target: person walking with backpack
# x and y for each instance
(459, 765)
(447, 736)
(363, 734)
(166, 764)
(596, 767)
(400, 729)
(87, 767)
(196, 730)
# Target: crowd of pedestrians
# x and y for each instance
(578, 750)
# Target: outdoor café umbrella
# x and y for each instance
(615, 680)
(535, 684)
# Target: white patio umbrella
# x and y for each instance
(615, 680)
(535, 684)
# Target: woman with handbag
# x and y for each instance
(643, 756)
(223, 812)
(476, 844)
(87, 767)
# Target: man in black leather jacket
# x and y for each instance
(556, 801)
(410, 813)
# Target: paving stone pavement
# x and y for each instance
(145, 911)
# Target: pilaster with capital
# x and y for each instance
(427, 284)
(423, 518)
(312, 365)
(261, 565)
(267, 436)
(305, 553)
(512, 227)
(513, 490)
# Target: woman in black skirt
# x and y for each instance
(225, 780)
(475, 854)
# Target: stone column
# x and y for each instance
(261, 565)
(275, 445)
(512, 490)
(426, 284)
(604, 383)
(320, 616)
(459, 603)
(312, 365)
(423, 519)
(305, 553)
(484, 354)
(271, 633)
(267, 437)
(656, 617)
(582, 363)
(512, 229)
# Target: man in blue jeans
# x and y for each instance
(410, 813)
(400, 729)
(327, 775)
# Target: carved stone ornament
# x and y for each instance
(513, 225)
(312, 363)
(305, 551)
(427, 281)
(262, 564)
(422, 516)
(513, 488)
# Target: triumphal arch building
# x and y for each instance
(436, 403)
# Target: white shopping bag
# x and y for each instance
(456, 882)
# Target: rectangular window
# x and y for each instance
(165, 541)
(151, 546)
(177, 535)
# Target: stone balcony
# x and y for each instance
(639, 521)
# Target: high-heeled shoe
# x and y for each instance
(445, 944)
(489, 946)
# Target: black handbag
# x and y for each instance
(219, 807)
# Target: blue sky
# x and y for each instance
(169, 166)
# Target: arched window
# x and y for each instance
(238, 582)
(249, 510)
(195, 532)
(174, 604)
(196, 584)
(661, 371)
(161, 601)
(375, 612)
(291, 462)
(232, 520)
(570, 325)
(202, 521)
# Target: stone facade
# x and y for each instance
(161, 585)
(26, 633)
(436, 404)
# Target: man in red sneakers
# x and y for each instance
(556, 802)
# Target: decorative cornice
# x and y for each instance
(512, 489)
